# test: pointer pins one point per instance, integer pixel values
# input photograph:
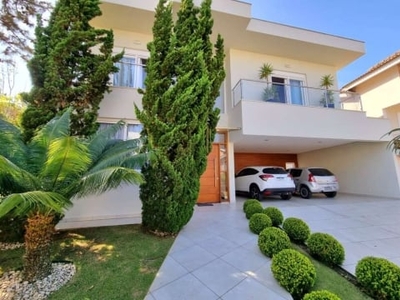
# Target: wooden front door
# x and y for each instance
(209, 181)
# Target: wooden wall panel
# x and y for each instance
(263, 159)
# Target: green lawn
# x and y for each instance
(328, 279)
(118, 262)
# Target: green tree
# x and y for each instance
(39, 179)
(70, 67)
(184, 75)
(17, 17)
(11, 108)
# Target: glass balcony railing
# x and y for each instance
(294, 95)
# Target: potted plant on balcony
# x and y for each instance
(327, 99)
(265, 72)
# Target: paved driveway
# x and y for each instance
(364, 225)
(216, 256)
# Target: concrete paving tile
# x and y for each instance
(219, 276)
(193, 257)
(245, 260)
(169, 271)
(251, 289)
(218, 245)
(186, 287)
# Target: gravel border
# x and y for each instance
(13, 288)
(10, 246)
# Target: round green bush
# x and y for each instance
(326, 248)
(380, 277)
(294, 272)
(275, 214)
(249, 201)
(252, 209)
(258, 222)
(296, 229)
(321, 295)
(272, 240)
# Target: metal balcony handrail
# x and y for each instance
(248, 89)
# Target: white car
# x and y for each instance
(314, 180)
(259, 181)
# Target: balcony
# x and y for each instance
(295, 94)
(295, 119)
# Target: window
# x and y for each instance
(288, 88)
(132, 72)
(127, 132)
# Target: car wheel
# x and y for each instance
(254, 192)
(305, 192)
(286, 196)
(330, 194)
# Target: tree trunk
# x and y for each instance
(38, 237)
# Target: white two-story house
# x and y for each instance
(294, 127)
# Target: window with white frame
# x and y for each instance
(288, 88)
(127, 132)
(132, 71)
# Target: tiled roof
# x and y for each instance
(376, 67)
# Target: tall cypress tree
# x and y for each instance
(71, 66)
(185, 73)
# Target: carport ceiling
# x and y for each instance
(290, 145)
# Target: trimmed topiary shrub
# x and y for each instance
(249, 201)
(275, 214)
(272, 240)
(258, 222)
(252, 209)
(321, 295)
(297, 230)
(379, 277)
(294, 272)
(326, 248)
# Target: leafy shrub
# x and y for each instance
(12, 229)
(294, 272)
(252, 209)
(321, 295)
(296, 229)
(326, 248)
(275, 214)
(249, 201)
(272, 240)
(380, 277)
(258, 222)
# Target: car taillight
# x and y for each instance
(311, 178)
(265, 177)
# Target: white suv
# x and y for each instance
(314, 180)
(259, 181)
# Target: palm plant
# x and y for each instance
(265, 72)
(39, 179)
(326, 82)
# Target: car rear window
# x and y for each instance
(274, 171)
(320, 172)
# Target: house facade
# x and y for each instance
(297, 124)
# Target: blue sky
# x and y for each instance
(377, 23)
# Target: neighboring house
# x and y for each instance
(379, 89)
(291, 128)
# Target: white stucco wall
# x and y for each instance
(361, 168)
(246, 65)
(116, 207)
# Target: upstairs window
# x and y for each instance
(132, 72)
